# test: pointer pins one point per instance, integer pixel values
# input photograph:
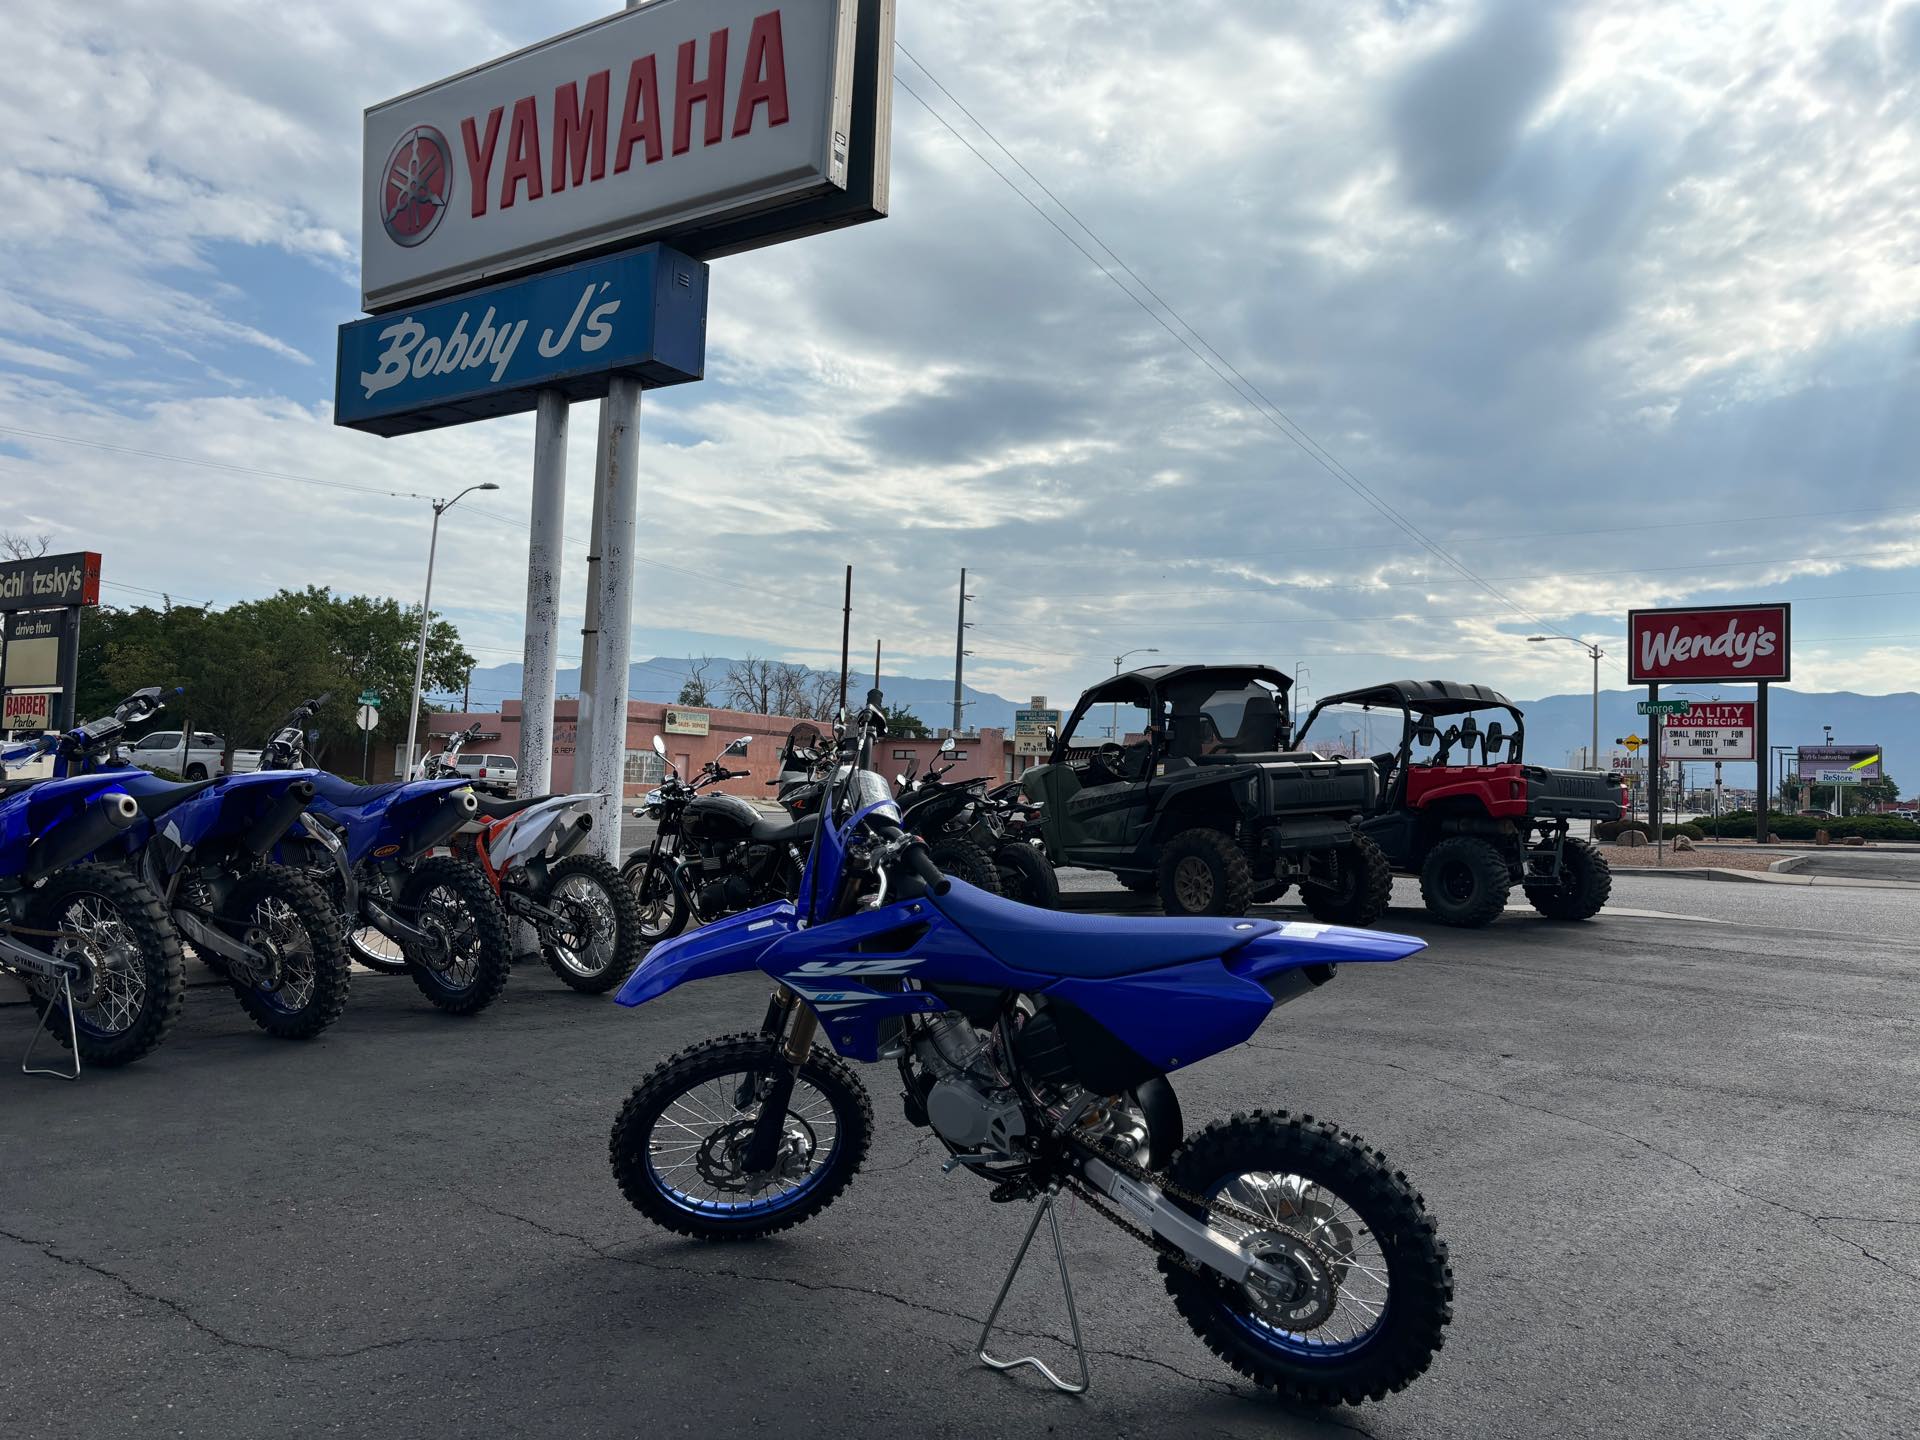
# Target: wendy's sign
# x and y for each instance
(1721, 643)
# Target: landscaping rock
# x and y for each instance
(1853, 840)
(1630, 839)
(1821, 837)
(1681, 842)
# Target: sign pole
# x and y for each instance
(70, 677)
(1653, 779)
(590, 626)
(541, 661)
(846, 627)
(1762, 768)
(606, 741)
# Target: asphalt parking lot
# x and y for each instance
(1676, 1153)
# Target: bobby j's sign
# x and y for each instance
(487, 353)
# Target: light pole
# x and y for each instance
(1594, 651)
(440, 507)
(1113, 726)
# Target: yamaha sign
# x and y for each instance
(713, 125)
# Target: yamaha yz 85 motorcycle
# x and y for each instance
(1036, 1047)
(371, 846)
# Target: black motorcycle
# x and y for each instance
(711, 855)
(975, 835)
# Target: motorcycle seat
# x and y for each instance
(335, 791)
(501, 809)
(781, 832)
(1091, 947)
(158, 799)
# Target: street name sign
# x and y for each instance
(1664, 707)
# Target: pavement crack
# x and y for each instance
(53, 1252)
(1819, 1222)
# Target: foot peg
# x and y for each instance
(1045, 1210)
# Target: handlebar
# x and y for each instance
(916, 857)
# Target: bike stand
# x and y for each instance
(1047, 1211)
(73, 1038)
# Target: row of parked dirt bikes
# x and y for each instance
(276, 879)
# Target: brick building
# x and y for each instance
(697, 734)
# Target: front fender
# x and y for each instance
(726, 947)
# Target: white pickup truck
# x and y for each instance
(168, 750)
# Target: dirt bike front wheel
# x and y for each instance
(1365, 1293)
(679, 1144)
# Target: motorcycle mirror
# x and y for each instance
(737, 747)
(660, 747)
(947, 746)
(1053, 737)
(901, 779)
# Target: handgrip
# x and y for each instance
(921, 863)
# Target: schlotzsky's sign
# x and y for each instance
(48, 582)
(1710, 730)
(1710, 643)
(491, 351)
(682, 120)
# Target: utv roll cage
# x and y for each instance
(1421, 703)
(1175, 697)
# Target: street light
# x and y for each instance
(1593, 749)
(1113, 726)
(440, 507)
(1593, 753)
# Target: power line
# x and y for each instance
(1251, 395)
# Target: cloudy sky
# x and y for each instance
(1609, 304)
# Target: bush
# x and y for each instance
(1739, 825)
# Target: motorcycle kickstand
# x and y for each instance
(1044, 1210)
(73, 1038)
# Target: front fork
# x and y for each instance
(769, 1127)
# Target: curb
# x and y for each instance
(1762, 877)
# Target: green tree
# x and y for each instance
(242, 668)
(902, 722)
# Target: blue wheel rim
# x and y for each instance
(813, 1129)
(1308, 1208)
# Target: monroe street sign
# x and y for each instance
(1664, 707)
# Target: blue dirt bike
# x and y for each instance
(1036, 1046)
(371, 847)
(209, 850)
(94, 946)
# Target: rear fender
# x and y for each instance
(726, 947)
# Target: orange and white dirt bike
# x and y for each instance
(584, 915)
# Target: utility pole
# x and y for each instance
(959, 654)
(846, 624)
(466, 692)
(876, 662)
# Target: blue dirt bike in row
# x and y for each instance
(1036, 1046)
(202, 854)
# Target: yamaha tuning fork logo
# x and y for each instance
(417, 187)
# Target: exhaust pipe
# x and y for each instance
(438, 828)
(570, 838)
(103, 819)
(278, 818)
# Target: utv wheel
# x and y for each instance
(964, 860)
(1361, 892)
(1202, 872)
(1027, 876)
(1465, 882)
(1584, 885)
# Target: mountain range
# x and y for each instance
(1557, 725)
